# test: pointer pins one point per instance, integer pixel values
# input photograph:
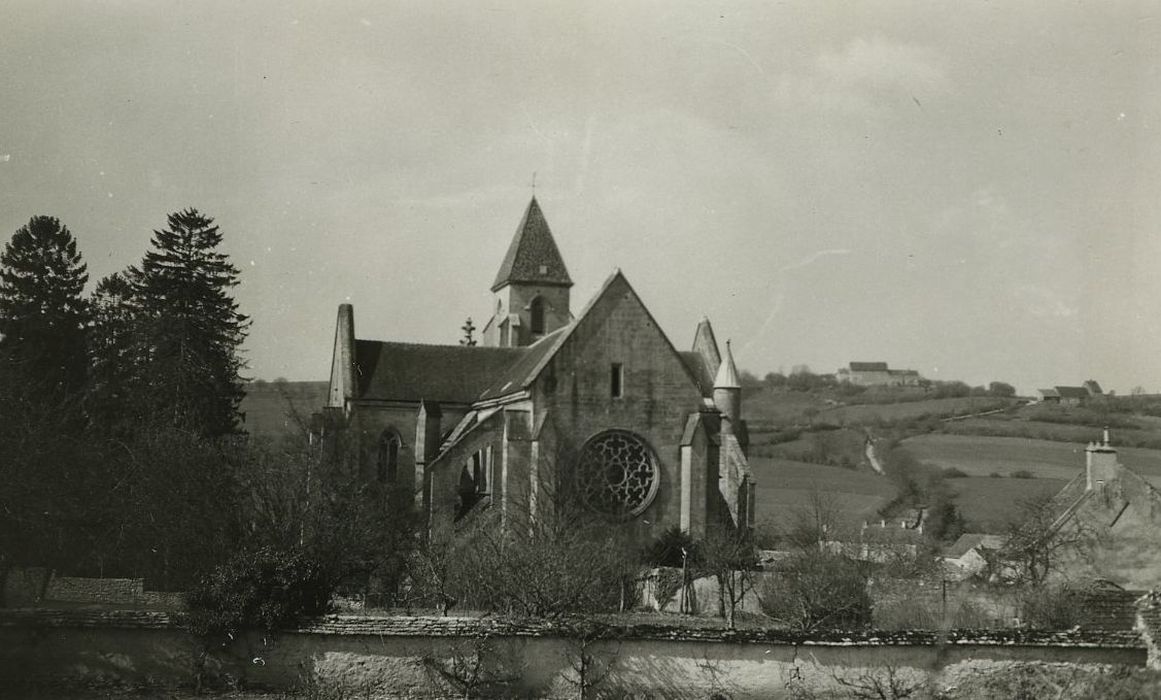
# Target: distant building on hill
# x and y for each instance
(1072, 395)
(877, 374)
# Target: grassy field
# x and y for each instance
(872, 414)
(989, 505)
(979, 455)
(785, 488)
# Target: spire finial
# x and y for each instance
(533, 183)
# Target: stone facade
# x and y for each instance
(550, 407)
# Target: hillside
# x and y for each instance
(1016, 450)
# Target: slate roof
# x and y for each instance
(868, 366)
(442, 373)
(697, 367)
(533, 256)
(518, 374)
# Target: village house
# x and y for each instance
(596, 410)
(1113, 515)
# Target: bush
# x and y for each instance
(954, 473)
(817, 590)
(666, 550)
(263, 589)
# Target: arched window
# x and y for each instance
(536, 316)
(387, 460)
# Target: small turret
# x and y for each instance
(1101, 465)
(728, 392)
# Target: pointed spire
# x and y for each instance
(706, 345)
(727, 373)
(533, 256)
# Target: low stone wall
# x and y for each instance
(40, 587)
(433, 657)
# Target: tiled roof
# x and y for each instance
(441, 373)
(533, 255)
(868, 366)
(1072, 392)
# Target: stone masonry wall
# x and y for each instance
(421, 657)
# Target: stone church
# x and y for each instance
(595, 410)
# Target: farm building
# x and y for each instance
(877, 374)
(1071, 395)
(596, 410)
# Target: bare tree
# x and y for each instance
(728, 554)
(473, 668)
(591, 658)
(1040, 541)
(888, 683)
(815, 521)
(817, 590)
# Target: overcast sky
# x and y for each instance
(972, 190)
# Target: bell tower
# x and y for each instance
(531, 291)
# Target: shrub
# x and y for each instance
(1050, 607)
(262, 589)
(817, 590)
(954, 473)
(666, 550)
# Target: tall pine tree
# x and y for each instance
(43, 317)
(190, 328)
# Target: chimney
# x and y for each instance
(1101, 465)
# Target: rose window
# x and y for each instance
(618, 474)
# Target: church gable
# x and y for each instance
(616, 351)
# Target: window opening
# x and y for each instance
(387, 463)
(617, 380)
(536, 321)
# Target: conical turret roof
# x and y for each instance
(727, 372)
(533, 256)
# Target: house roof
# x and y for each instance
(1049, 393)
(441, 373)
(1072, 392)
(868, 366)
(532, 256)
(971, 540)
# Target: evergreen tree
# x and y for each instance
(114, 348)
(43, 317)
(190, 327)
